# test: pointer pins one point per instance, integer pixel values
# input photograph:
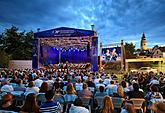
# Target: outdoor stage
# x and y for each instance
(63, 45)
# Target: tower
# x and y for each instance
(143, 43)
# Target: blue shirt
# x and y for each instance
(50, 107)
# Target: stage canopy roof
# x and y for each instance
(64, 32)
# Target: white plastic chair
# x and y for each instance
(138, 102)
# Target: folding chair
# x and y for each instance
(86, 103)
(138, 102)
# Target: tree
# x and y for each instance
(130, 50)
(4, 59)
(17, 44)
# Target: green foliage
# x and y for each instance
(130, 50)
(4, 59)
(17, 44)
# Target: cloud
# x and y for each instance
(114, 19)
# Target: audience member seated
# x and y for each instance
(77, 107)
(50, 82)
(153, 94)
(97, 79)
(128, 108)
(19, 86)
(100, 84)
(6, 87)
(7, 103)
(107, 80)
(31, 88)
(107, 105)
(70, 95)
(120, 92)
(135, 93)
(111, 88)
(44, 87)
(85, 93)
(158, 107)
(38, 82)
(78, 85)
(90, 82)
(101, 92)
(30, 104)
(124, 85)
(50, 106)
(154, 81)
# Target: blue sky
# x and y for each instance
(113, 19)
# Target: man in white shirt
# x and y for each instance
(38, 82)
(111, 88)
(77, 107)
(6, 87)
(96, 80)
(154, 81)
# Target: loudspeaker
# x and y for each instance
(88, 49)
(41, 52)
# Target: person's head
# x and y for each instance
(4, 82)
(44, 87)
(107, 105)
(158, 107)
(30, 104)
(123, 84)
(70, 89)
(7, 98)
(135, 87)
(112, 82)
(78, 102)
(120, 91)
(19, 81)
(31, 84)
(79, 80)
(100, 81)
(154, 88)
(85, 86)
(101, 89)
(49, 95)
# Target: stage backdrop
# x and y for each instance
(65, 45)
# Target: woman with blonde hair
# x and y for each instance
(70, 89)
(107, 105)
(120, 92)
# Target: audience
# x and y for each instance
(63, 80)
